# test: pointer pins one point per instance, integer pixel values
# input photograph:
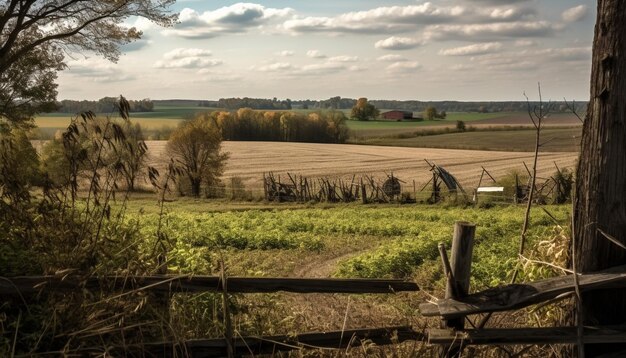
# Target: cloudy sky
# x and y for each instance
(393, 49)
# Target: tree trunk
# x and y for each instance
(601, 179)
(195, 187)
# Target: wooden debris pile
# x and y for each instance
(442, 176)
(297, 188)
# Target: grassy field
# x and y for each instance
(450, 119)
(163, 116)
(172, 112)
(361, 131)
(60, 122)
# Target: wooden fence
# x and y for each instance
(451, 335)
(23, 288)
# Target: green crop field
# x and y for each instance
(380, 241)
(374, 241)
(162, 116)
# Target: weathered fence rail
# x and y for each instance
(516, 296)
(452, 337)
(230, 346)
(29, 285)
(523, 336)
(246, 346)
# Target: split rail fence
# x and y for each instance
(451, 335)
(23, 288)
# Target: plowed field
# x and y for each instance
(249, 160)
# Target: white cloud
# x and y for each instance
(315, 54)
(143, 24)
(97, 70)
(186, 52)
(575, 13)
(504, 14)
(218, 77)
(323, 68)
(275, 67)
(378, 20)
(499, 2)
(470, 50)
(286, 53)
(188, 58)
(235, 18)
(567, 54)
(391, 58)
(513, 66)
(344, 58)
(188, 62)
(462, 67)
(500, 30)
(410, 66)
(525, 43)
(533, 59)
(405, 19)
(397, 43)
(136, 45)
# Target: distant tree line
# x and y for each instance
(103, 105)
(248, 124)
(246, 102)
(421, 106)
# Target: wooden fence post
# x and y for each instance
(228, 326)
(460, 272)
(363, 193)
(516, 196)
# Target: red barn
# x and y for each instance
(396, 115)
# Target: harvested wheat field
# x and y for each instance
(249, 160)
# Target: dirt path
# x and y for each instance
(323, 269)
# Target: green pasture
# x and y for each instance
(380, 128)
(152, 123)
(170, 111)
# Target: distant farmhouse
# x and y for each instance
(398, 116)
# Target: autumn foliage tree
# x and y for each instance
(316, 127)
(431, 113)
(35, 35)
(195, 147)
(363, 110)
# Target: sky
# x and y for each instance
(465, 50)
